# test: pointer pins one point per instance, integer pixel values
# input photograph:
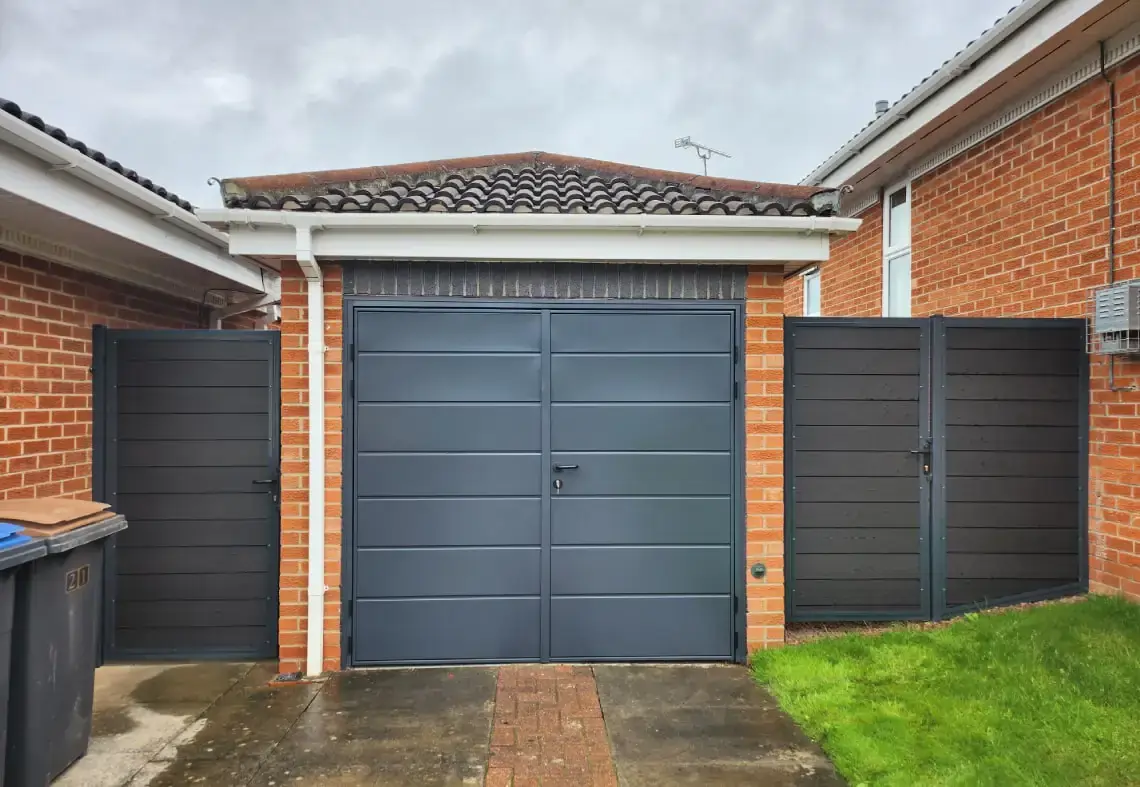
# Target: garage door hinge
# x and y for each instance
(736, 353)
(351, 389)
(735, 640)
(735, 604)
(735, 390)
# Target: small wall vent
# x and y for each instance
(1115, 319)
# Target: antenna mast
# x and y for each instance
(703, 151)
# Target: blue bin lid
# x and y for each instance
(17, 548)
(12, 535)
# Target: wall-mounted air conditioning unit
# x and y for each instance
(1115, 319)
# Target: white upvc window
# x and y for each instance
(896, 251)
(811, 293)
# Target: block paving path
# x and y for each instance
(548, 730)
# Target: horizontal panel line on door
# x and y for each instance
(448, 497)
(446, 353)
(679, 452)
(436, 403)
(568, 547)
(641, 595)
(449, 547)
(446, 598)
(631, 405)
(638, 354)
(221, 439)
(642, 545)
(642, 497)
(262, 572)
(448, 453)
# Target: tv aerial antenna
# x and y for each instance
(703, 151)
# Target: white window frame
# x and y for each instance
(893, 252)
(809, 277)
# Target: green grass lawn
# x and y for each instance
(1048, 695)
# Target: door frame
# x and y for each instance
(104, 438)
(353, 304)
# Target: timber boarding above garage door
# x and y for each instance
(187, 426)
(933, 466)
(543, 482)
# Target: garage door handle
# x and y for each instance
(265, 481)
(560, 468)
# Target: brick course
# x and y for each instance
(1017, 227)
(47, 312)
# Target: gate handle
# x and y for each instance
(560, 468)
(925, 450)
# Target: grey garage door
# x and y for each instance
(186, 441)
(543, 484)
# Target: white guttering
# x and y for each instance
(531, 236)
(205, 246)
(952, 70)
(315, 626)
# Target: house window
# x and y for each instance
(811, 293)
(896, 252)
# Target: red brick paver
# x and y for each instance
(548, 730)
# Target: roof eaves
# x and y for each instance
(13, 109)
(951, 69)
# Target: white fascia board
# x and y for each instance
(44, 170)
(1023, 30)
(584, 237)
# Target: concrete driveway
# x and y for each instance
(226, 724)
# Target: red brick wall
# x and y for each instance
(295, 468)
(1017, 227)
(794, 295)
(764, 460)
(851, 281)
(47, 312)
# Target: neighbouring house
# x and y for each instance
(1006, 184)
(91, 251)
(550, 397)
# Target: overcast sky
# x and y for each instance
(182, 91)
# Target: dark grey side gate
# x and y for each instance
(187, 448)
(543, 481)
(933, 466)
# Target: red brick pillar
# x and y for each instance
(764, 460)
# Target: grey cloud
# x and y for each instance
(184, 91)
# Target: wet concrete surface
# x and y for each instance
(706, 725)
(227, 725)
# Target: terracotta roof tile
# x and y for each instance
(532, 182)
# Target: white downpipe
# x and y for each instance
(314, 651)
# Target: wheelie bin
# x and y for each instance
(16, 549)
(59, 612)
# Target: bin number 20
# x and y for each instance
(77, 578)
